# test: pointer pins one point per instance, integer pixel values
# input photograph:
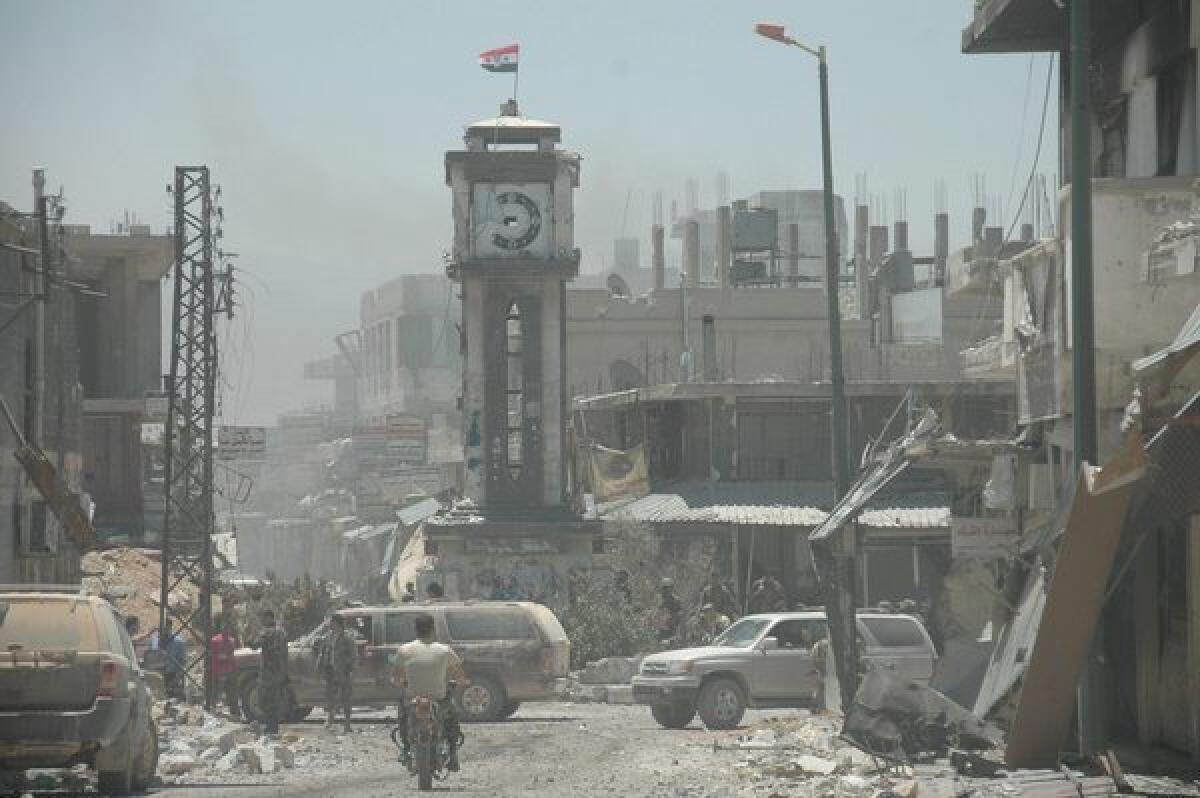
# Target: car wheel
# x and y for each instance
(510, 709)
(673, 716)
(146, 766)
(482, 700)
(721, 704)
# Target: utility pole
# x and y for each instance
(1083, 342)
(191, 391)
(837, 379)
(42, 296)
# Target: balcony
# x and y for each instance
(991, 358)
(1015, 26)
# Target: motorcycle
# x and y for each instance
(428, 753)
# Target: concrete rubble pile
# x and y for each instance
(197, 747)
(802, 755)
(605, 681)
(131, 578)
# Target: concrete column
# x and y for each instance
(724, 245)
(691, 251)
(473, 381)
(993, 238)
(793, 249)
(978, 220)
(941, 246)
(708, 340)
(658, 257)
(553, 362)
(901, 236)
(861, 233)
(878, 244)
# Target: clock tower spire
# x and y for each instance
(514, 253)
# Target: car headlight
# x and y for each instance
(680, 667)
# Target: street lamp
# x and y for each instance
(836, 567)
(841, 471)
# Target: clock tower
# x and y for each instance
(514, 252)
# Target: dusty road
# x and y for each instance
(546, 749)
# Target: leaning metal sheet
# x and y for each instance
(1073, 605)
(1011, 653)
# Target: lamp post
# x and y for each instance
(837, 379)
(835, 564)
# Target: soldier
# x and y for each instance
(670, 612)
(272, 671)
(767, 595)
(410, 593)
(712, 624)
(718, 594)
(338, 658)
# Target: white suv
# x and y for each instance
(766, 661)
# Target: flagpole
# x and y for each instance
(516, 80)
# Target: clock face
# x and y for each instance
(511, 220)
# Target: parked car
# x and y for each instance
(766, 661)
(71, 689)
(513, 651)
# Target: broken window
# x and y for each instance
(516, 390)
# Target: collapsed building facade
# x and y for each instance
(1110, 549)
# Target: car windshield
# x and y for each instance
(742, 634)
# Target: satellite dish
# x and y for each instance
(617, 286)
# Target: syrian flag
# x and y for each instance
(502, 59)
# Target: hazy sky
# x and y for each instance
(326, 125)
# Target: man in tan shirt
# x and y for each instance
(423, 667)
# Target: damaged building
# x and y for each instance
(1115, 548)
(747, 468)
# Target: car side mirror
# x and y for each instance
(768, 644)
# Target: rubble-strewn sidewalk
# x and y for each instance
(198, 747)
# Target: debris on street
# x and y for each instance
(199, 747)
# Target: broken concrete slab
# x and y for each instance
(816, 764)
(176, 764)
(611, 670)
(898, 719)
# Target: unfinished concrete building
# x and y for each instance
(120, 344)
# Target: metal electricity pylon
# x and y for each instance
(200, 293)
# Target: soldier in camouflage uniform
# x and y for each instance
(338, 659)
(272, 672)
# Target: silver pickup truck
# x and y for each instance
(766, 661)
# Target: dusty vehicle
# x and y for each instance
(513, 651)
(766, 661)
(71, 689)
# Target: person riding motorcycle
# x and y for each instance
(423, 668)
